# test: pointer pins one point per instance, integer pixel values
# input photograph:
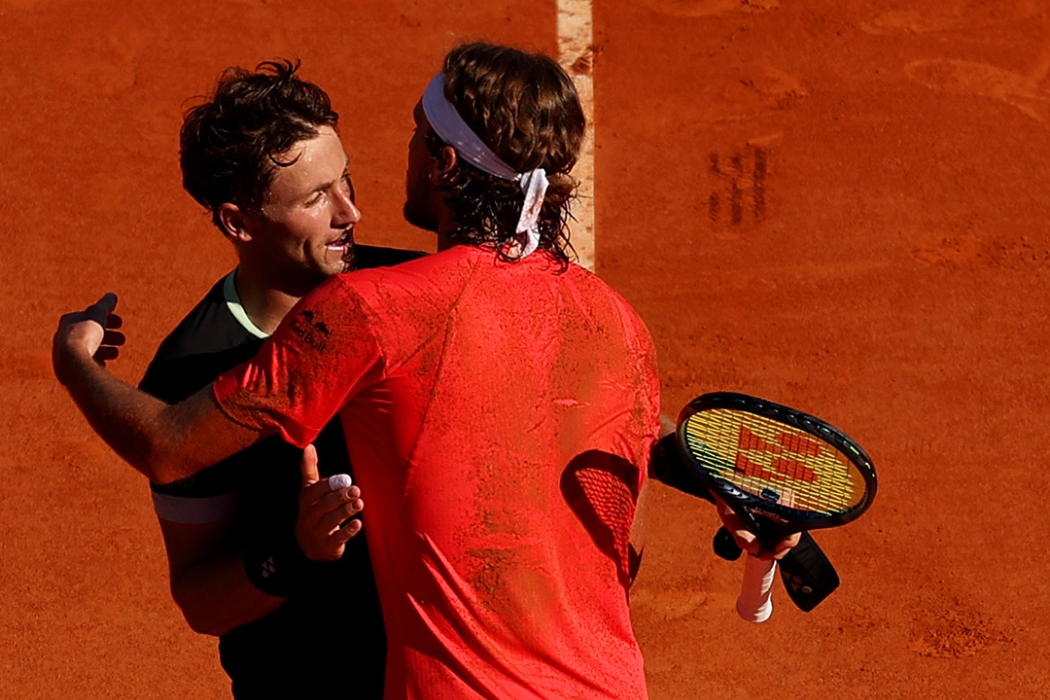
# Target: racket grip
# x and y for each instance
(755, 603)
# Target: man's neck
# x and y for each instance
(445, 226)
(265, 304)
(444, 242)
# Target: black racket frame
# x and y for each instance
(744, 503)
(808, 575)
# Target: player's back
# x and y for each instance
(526, 401)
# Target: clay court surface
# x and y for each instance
(838, 206)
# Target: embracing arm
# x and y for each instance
(166, 443)
(208, 566)
(207, 578)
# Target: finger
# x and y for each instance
(324, 500)
(308, 466)
(114, 321)
(327, 509)
(747, 542)
(317, 499)
(781, 549)
(730, 519)
(115, 338)
(105, 354)
(344, 534)
(334, 518)
(101, 309)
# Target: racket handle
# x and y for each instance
(755, 603)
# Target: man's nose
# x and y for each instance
(347, 213)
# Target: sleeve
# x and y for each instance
(324, 353)
(206, 497)
(195, 510)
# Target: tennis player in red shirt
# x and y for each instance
(499, 402)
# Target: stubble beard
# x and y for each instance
(419, 218)
(415, 209)
(350, 255)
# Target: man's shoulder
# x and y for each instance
(206, 342)
(598, 289)
(208, 327)
(412, 271)
(370, 256)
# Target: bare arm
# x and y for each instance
(207, 566)
(207, 578)
(166, 443)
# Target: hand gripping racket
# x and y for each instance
(781, 471)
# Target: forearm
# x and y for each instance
(122, 416)
(668, 467)
(164, 442)
(215, 595)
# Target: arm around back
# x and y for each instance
(166, 443)
(208, 582)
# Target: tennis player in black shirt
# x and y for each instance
(262, 154)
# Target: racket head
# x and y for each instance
(761, 457)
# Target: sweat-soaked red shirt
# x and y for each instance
(499, 418)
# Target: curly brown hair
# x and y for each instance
(525, 108)
(230, 145)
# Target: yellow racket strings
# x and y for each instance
(774, 461)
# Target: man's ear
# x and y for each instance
(233, 222)
(443, 165)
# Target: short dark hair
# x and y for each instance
(230, 145)
(525, 108)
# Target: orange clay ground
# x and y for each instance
(838, 206)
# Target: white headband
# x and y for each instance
(447, 123)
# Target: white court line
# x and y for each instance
(576, 54)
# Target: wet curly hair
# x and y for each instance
(525, 108)
(230, 145)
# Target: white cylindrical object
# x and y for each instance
(339, 481)
(755, 603)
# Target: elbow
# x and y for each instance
(201, 625)
(175, 445)
(161, 471)
(196, 615)
(161, 462)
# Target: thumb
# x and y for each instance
(101, 309)
(309, 466)
(106, 303)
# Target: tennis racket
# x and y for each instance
(782, 472)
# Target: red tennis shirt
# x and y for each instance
(499, 418)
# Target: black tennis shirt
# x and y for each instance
(318, 644)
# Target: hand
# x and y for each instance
(90, 333)
(323, 526)
(667, 426)
(747, 541)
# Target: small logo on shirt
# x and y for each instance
(268, 568)
(309, 327)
